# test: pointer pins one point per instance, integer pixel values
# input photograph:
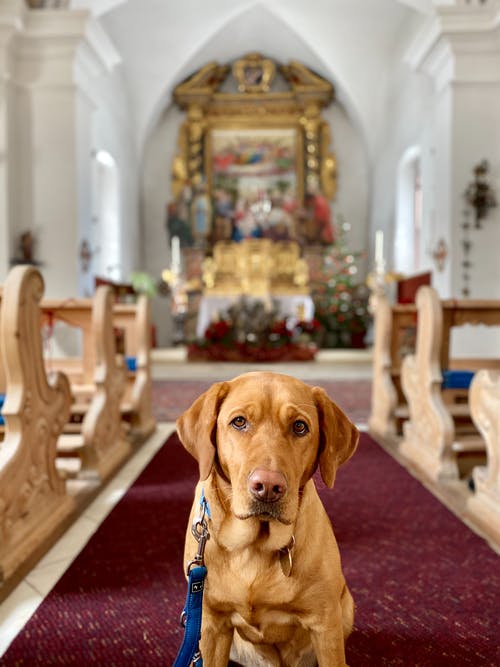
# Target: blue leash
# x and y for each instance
(189, 652)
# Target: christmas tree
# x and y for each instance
(341, 299)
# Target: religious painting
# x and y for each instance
(254, 182)
(254, 156)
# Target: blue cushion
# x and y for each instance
(131, 363)
(457, 379)
(2, 401)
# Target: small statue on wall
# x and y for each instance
(201, 215)
(26, 249)
(317, 218)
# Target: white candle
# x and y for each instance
(175, 254)
(379, 247)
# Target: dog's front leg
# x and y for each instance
(216, 640)
(328, 644)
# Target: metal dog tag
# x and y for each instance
(286, 561)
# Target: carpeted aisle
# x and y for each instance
(172, 397)
(427, 589)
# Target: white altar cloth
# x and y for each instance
(288, 306)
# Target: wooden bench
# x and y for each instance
(34, 504)
(394, 338)
(95, 444)
(137, 404)
(440, 430)
(483, 507)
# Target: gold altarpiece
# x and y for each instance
(254, 164)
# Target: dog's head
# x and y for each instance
(265, 434)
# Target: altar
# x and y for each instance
(252, 183)
(299, 306)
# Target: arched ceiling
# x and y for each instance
(354, 43)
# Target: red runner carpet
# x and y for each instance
(172, 397)
(426, 588)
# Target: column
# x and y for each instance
(11, 16)
(57, 56)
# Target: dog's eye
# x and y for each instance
(239, 422)
(300, 427)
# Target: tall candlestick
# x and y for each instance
(379, 247)
(175, 254)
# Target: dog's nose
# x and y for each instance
(266, 485)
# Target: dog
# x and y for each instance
(275, 594)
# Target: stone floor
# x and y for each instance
(328, 365)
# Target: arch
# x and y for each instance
(244, 23)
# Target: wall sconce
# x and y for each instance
(440, 254)
(479, 194)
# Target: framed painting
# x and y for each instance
(253, 171)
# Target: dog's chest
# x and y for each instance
(258, 600)
(265, 626)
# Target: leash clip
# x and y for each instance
(200, 532)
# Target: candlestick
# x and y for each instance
(175, 255)
(379, 247)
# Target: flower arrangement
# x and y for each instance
(250, 331)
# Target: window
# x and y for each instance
(106, 222)
(408, 232)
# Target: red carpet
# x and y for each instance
(172, 397)
(427, 589)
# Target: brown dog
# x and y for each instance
(275, 593)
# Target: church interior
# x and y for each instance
(191, 192)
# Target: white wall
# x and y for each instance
(112, 131)
(476, 136)
(66, 100)
(353, 185)
(159, 152)
(407, 123)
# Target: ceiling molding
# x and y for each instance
(97, 7)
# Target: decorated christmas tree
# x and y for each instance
(341, 299)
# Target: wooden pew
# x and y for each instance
(483, 507)
(137, 405)
(34, 505)
(440, 428)
(394, 327)
(99, 445)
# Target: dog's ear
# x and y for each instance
(197, 426)
(338, 436)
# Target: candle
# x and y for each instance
(175, 254)
(379, 247)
